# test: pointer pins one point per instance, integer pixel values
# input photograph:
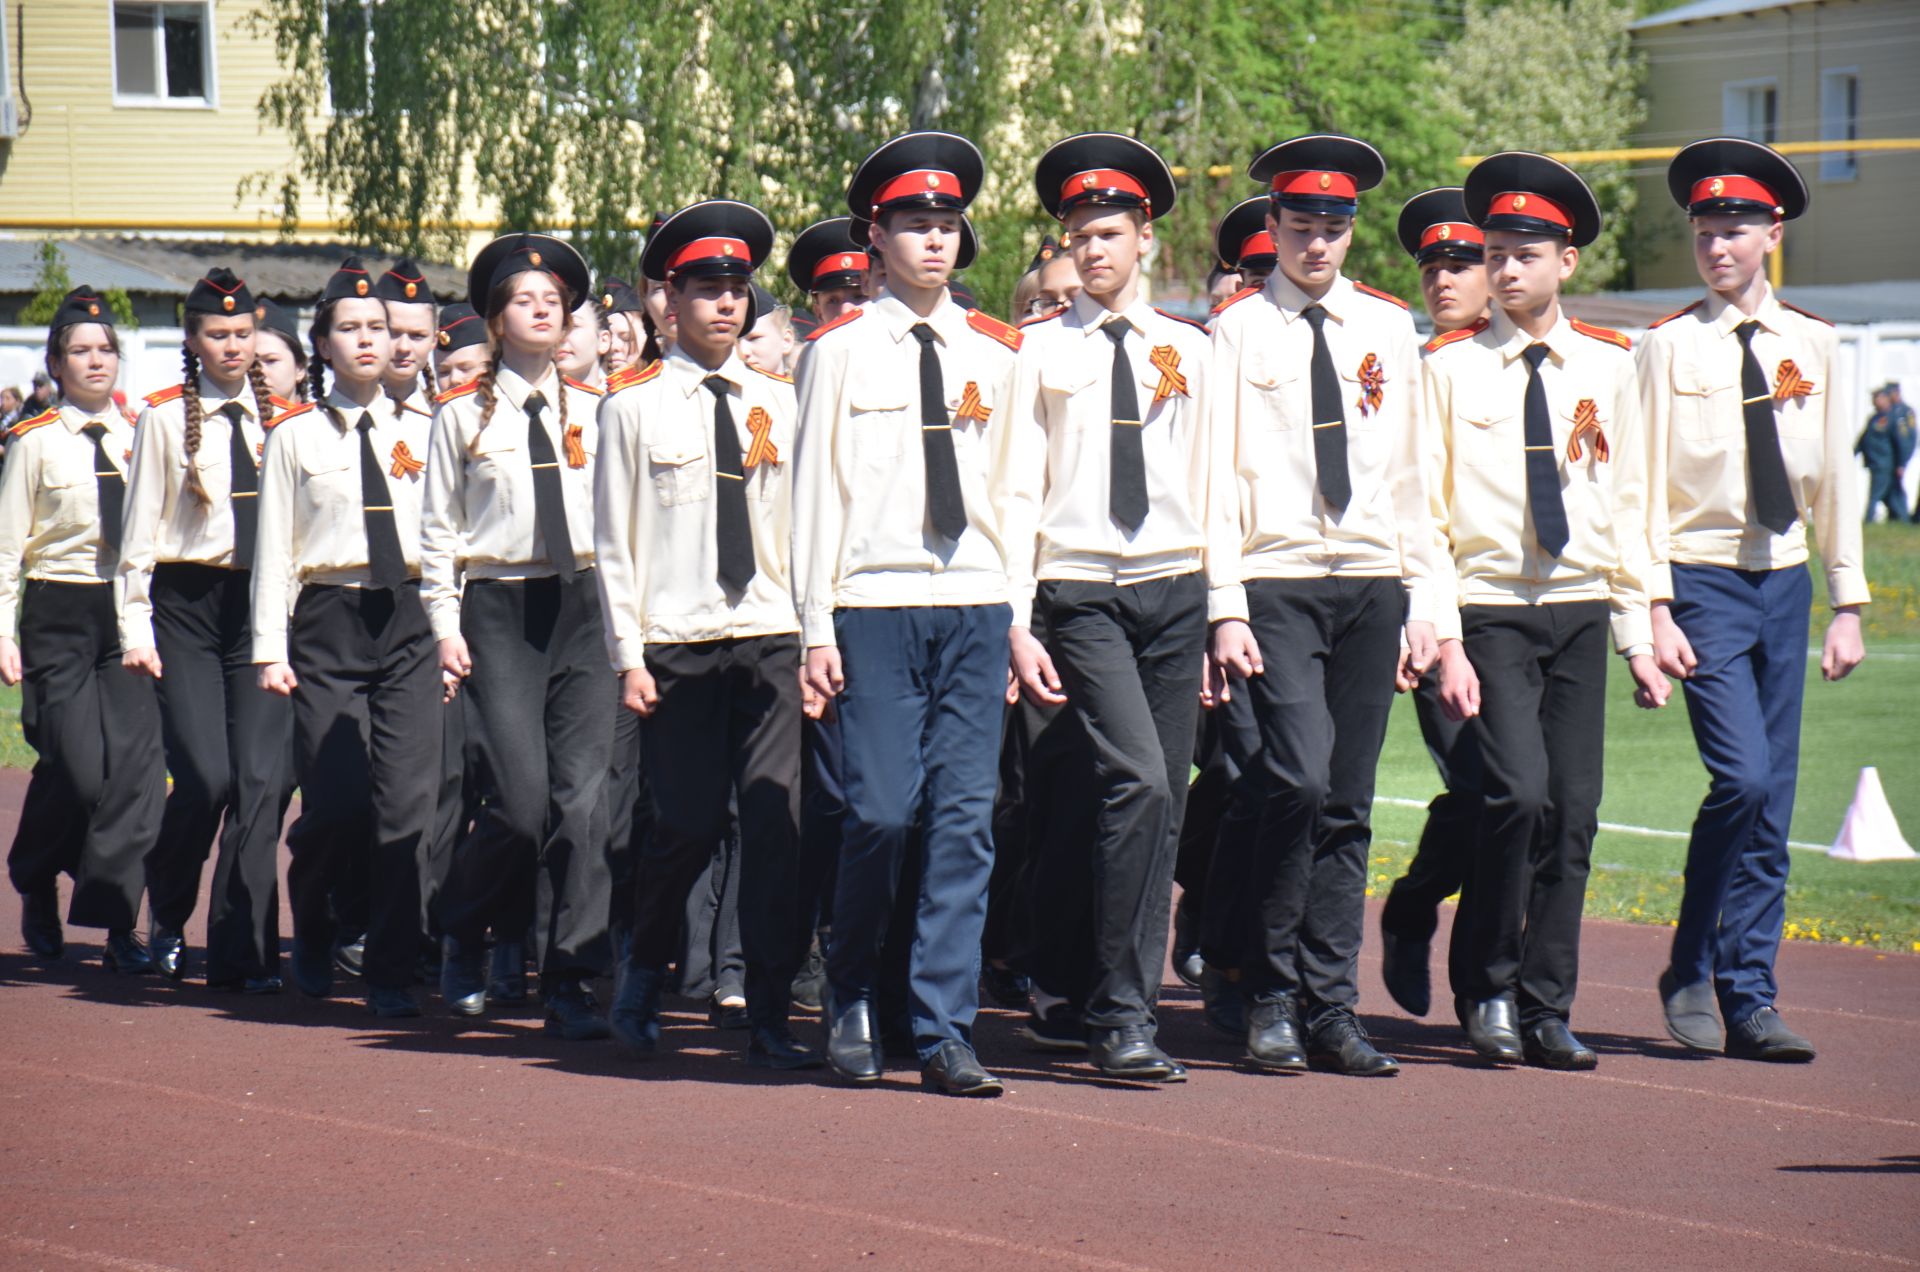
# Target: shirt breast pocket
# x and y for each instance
(1486, 435)
(880, 419)
(331, 483)
(1278, 391)
(681, 473)
(68, 484)
(764, 479)
(1802, 417)
(491, 469)
(1706, 401)
(1059, 382)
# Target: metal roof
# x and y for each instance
(20, 269)
(170, 266)
(1701, 10)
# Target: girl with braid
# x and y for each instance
(507, 559)
(185, 571)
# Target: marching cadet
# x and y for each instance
(1318, 380)
(460, 351)
(1538, 486)
(279, 352)
(625, 336)
(1747, 449)
(1243, 245)
(410, 321)
(191, 525)
(507, 563)
(829, 268)
(1120, 518)
(768, 345)
(1450, 251)
(579, 353)
(693, 505)
(901, 579)
(94, 804)
(338, 626)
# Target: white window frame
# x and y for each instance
(1734, 90)
(160, 101)
(6, 56)
(327, 107)
(1840, 165)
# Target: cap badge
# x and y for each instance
(93, 309)
(1519, 201)
(445, 340)
(1326, 180)
(1446, 231)
(846, 262)
(726, 249)
(606, 300)
(260, 313)
(411, 289)
(226, 303)
(360, 287)
(933, 181)
(1086, 182)
(1718, 188)
(533, 258)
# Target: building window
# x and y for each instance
(163, 54)
(1839, 121)
(1751, 109)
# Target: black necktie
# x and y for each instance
(246, 488)
(1126, 457)
(549, 501)
(113, 487)
(946, 510)
(1543, 465)
(1773, 503)
(732, 533)
(1329, 417)
(385, 562)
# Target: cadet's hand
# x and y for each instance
(812, 705)
(1651, 689)
(638, 693)
(1420, 649)
(1840, 653)
(1232, 654)
(1033, 668)
(1672, 651)
(1459, 682)
(278, 678)
(823, 671)
(142, 662)
(449, 686)
(9, 661)
(1013, 686)
(454, 658)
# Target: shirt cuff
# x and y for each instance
(1632, 628)
(628, 655)
(445, 619)
(1848, 586)
(1446, 623)
(1659, 579)
(816, 629)
(1227, 602)
(136, 630)
(270, 648)
(1638, 650)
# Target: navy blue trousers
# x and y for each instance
(1748, 630)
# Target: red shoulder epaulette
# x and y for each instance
(457, 391)
(1380, 295)
(1028, 322)
(627, 377)
(771, 375)
(1608, 334)
(1198, 326)
(841, 321)
(988, 325)
(47, 416)
(1678, 313)
(284, 416)
(584, 387)
(1467, 332)
(1236, 298)
(1804, 313)
(166, 394)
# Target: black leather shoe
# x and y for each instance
(1549, 1044)
(392, 1004)
(123, 953)
(954, 1070)
(1224, 1003)
(1403, 965)
(168, 948)
(775, 1047)
(1129, 1051)
(312, 969)
(254, 985)
(1338, 1043)
(351, 956)
(1492, 1028)
(1692, 1012)
(463, 978)
(1273, 1037)
(1059, 1028)
(852, 1051)
(1005, 987)
(634, 1021)
(572, 1013)
(40, 923)
(809, 988)
(723, 1015)
(1187, 963)
(507, 980)
(1764, 1036)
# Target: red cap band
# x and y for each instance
(1537, 206)
(1260, 244)
(1452, 232)
(840, 263)
(1102, 179)
(919, 181)
(1733, 187)
(1325, 185)
(702, 249)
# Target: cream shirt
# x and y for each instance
(50, 502)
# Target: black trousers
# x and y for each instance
(456, 808)
(93, 805)
(1223, 823)
(728, 725)
(229, 748)
(1130, 661)
(713, 961)
(364, 654)
(1330, 646)
(1541, 728)
(1443, 859)
(629, 821)
(543, 698)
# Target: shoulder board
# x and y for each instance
(1377, 294)
(841, 321)
(1804, 314)
(627, 377)
(1197, 326)
(772, 375)
(988, 325)
(1607, 334)
(284, 416)
(1028, 322)
(584, 387)
(1678, 313)
(47, 416)
(1446, 338)
(279, 403)
(1236, 298)
(166, 394)
(457, 391)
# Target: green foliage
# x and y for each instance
(50, 286)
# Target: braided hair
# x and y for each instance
(190, 404)
(317, 365)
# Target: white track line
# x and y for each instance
(97, 1258)
(1651, 832)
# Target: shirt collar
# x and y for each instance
(1511, 341)
(511, 386)
(690, 376)
(1091, 315)
(349, 411)
(1285, 293)
(1725, 316)
(947, 320)
(212, 401)
(415, 401)
(76, 419)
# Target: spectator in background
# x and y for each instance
(1885, 445)
(1904, 434)
(40, 399)
(1221, 284)
(10, 402)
